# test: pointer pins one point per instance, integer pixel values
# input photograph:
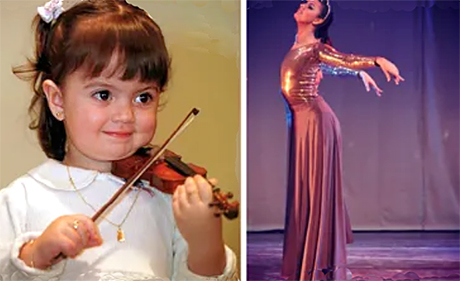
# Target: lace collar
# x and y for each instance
(53, 174)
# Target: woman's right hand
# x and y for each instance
(68, 235)
(389, 69)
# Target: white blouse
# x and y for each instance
(153, 248)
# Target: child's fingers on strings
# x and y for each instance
(205, 189)
(192, 191)
(214, 181)
(182, 198)
(175, 202)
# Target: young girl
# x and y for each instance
(98, 72)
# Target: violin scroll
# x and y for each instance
(229, 210)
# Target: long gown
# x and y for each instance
(317, 226)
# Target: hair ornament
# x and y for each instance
(51, 10)
(325, 2)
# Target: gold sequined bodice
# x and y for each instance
(300, 66)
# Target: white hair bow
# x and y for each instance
(51, 10)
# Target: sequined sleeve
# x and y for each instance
(331, 57)
(338, 70)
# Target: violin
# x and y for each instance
(168, 172)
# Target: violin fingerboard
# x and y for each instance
(180, 166)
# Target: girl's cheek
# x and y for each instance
(149, 123)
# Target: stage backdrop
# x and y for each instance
(401, 151)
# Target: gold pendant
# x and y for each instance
(120, 235)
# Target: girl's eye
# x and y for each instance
(144, 98)
(102, 95)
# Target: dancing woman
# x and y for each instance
(317, 226)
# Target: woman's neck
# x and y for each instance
(305, 35)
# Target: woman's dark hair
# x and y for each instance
(88, 35)
(321, 31)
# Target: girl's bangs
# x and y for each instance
(138, 46)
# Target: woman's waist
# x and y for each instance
(295, 97)
(300, 88)
(305, 102)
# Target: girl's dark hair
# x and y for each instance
(321, 31)
(87, 35)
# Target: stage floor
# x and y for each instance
(373, 256)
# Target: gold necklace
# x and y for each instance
(120, 233)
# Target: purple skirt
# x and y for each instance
(317, 226)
